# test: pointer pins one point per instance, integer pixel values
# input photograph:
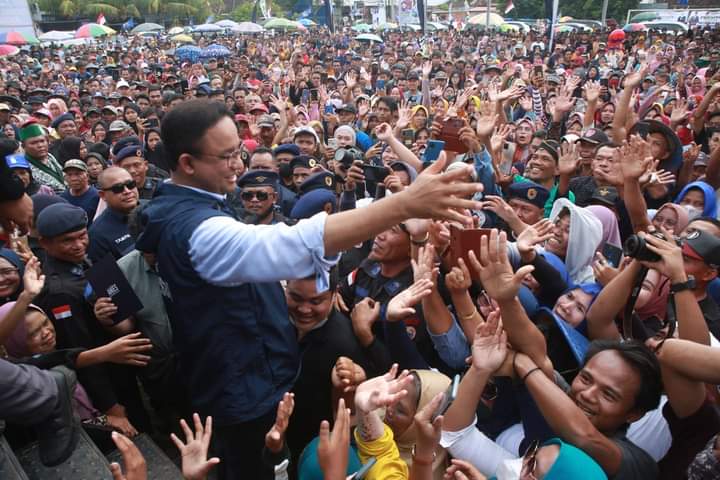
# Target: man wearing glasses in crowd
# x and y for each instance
(109, 232)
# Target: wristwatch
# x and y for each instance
(679, 287)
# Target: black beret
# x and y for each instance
(530, 192)
(60, 218)
(62, 118)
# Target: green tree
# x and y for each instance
(243, 12)
(580, 9)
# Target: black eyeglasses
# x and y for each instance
(530, 459)
(260, 195)
(120, 187)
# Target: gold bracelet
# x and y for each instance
(421, 242)
(469, 315)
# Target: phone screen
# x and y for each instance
(613, 254)
(433, 149)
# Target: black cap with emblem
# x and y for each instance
(259, 178)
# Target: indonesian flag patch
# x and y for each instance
(63, 311)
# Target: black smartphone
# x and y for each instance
(450, 395)
(408, 137)
(314, 95)
(375, 174)
(612, 254)
(152, 123)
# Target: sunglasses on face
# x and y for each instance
(120, 187)
(261, 196)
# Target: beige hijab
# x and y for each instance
(431, 383)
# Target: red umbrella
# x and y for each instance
(8, 50)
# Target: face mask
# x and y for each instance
(284, 170)
(510, 469)
(692, 211)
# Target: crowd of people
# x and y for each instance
(463, 255)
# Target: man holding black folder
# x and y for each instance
(238, 353)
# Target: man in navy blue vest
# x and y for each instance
(238, 352)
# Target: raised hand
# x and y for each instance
(426, 69)
(564, 102)
(347, 375)
(195, 465)
(424, 267)
(499, 206)
(135, 466)
(275, 437)
(364, 316)
(401, 305)
(569, 158)
(493, 266)
(33, 279)
(534, 235)
(404, 116)
(592, 91)
(458, 279)
(680, 113)
(429, 429)
(383, 132)
(439, 235)
(485, 125)
(333, 447)
(382, 391)
(489, 347)
(633, 79)
(128, 350)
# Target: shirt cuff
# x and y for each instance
(451, 346)
(312, 232)
(448, 439)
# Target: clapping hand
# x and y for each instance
(33, 279)
(496, 273)
(195, 465)
(275, 438)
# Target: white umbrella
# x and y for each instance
(207, 27)
(56, 36)
(176, 31)
(248, 27)
(437, 25)
(227, 23)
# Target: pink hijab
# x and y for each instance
(611, 232)
(682, 216)
(60, 104)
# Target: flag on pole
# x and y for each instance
(509, 7)
(101, 19)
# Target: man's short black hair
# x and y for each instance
(261, 150)
(643, 361)
(185, 125)
(390, 102)
(605, 144)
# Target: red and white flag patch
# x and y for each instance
(63, 311)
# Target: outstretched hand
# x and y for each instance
(275, 438)
(493, 266)
(333, 446)
(382, 391)
(401, 305)
(195, 465)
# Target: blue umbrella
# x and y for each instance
(214, 51)
(188, 52)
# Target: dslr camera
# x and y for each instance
(636, 247)
(346, 156)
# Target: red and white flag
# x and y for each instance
(101, 19)
(509, 6)
(63, 311)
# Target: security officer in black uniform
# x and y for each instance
(283, 155)
(62, 229)
(301, 168)
(109, 232)
(258, 196)
(128, 154)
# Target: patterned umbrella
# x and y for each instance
(214, 51)
(8, 50)
(17, 38)
(190, 53)
(248, 27)
(93, 30)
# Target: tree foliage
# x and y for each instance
(120, 10)
(580, 9)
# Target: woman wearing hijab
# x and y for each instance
(610, 229)
(12, 270)
(671, 217)
(154, 149)
(34, 336)
(698, 199)
(71, 148)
